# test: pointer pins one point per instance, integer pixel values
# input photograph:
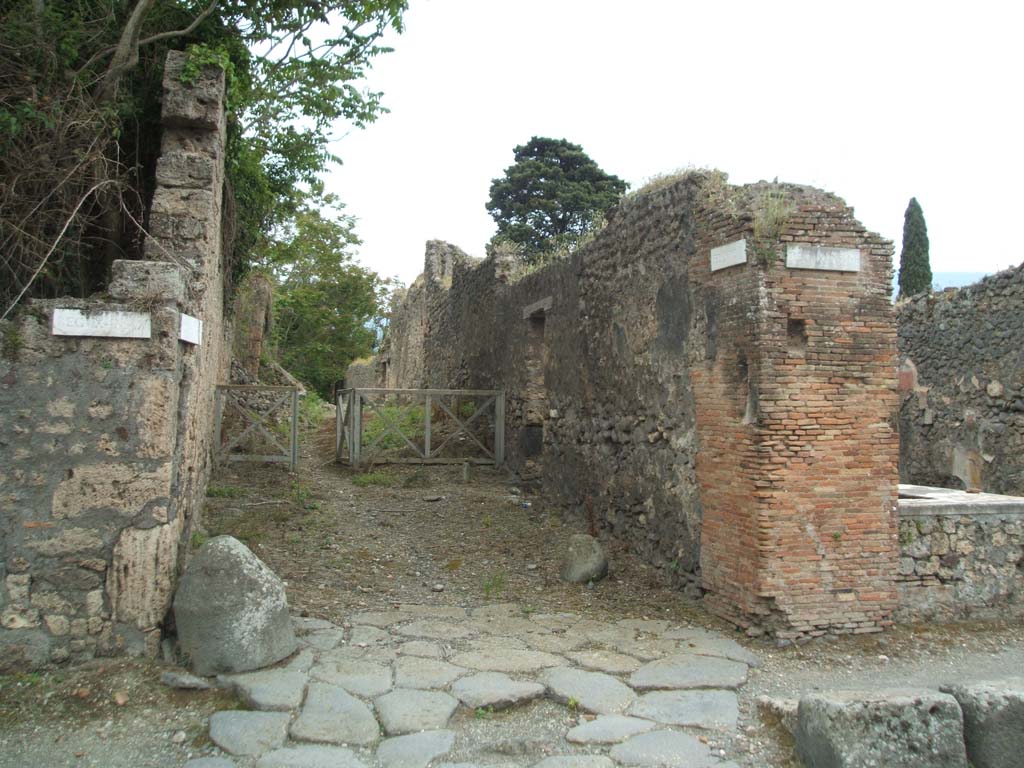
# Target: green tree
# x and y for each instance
(324, 303)
(79, 119)
(915, 268)
(550, 196)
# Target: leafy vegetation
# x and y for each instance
(411, 420)
(372, 478)
(915, 266)
(79, 122)
(550, 198)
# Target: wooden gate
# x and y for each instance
(257, 423)
(420, 426)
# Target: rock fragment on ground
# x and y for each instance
(584, 560)
(230, 611)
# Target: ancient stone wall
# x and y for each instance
(962, 383)
(712, 379)
(961, 564)
(105, 417)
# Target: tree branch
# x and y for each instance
(186, 31)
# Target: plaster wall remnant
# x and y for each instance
(731, 419)
(962, 386)
(105, 440)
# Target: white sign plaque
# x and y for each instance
(729, 255)
(804, 256)
(191, 330)
(120, 325)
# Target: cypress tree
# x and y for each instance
(915, 269)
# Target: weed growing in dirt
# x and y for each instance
(372, 478)
(300, 494)
(199, 538)
(483, 714)
(453, 565)
(495, 584)
(224, 491)
(572, 704)
(486, 521)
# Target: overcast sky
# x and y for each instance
(875, 101)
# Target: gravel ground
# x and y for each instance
(424, 536)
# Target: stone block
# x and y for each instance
(896, 729)
(993, 722)
(147, 281)
(231, 610)
(199, 104)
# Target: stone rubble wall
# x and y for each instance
(962, 382)
(105, 442)
(961, 566)
(669, 403)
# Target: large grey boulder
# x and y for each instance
(993, 722)
(896, 729)
(231, 611)
(584, 560)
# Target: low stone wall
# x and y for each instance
(962, 379)
(106, 408)
(961, 555)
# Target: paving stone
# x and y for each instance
(415, 750)
(270, 690)
(409, 711)
(434, 629)
(608, 729)
(688, 671)
(373, 653)
(575, 761)
(310, 756)
(495, 690)
(433, 611)
(724, 647)
(507, 660)
(664, 748)
(248, 733)
(505, 626)
(556, 621)
(492, 610)
(648, 648)
(322, 641)
(490, 644)
(591, 691)
(362, 678)
(382, 619)
(606, 661)
(700, 709)
(210, 762)
(422, 648)
(415, 672)
(304, 625)
(365, 635)
(553, 643)
(334, 716)
(650, 626)
(184, 680)
(301, 661)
